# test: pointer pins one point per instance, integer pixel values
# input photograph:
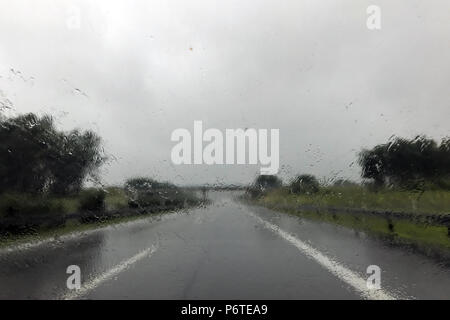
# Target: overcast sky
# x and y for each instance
(134, 71)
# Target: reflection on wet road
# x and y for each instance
(225, 251)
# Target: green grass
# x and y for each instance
(69, 204)
(115, 199)
(433, 201)
(401, 230)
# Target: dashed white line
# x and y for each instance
(98, 280)
(343, 273)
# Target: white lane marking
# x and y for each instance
(348, 276)
(95, 282)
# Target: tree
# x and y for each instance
(407, 163)
(23, 151)
(35, 157)
(76, 155)
(373, 165)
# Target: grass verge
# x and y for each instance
(431, 238)
(428, 202)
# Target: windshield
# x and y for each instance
(189, 150)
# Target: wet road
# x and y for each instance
(225, 251)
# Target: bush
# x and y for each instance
(144, 184)
(263, 184)
(116, 198)
(304, 184)
(147, 193)
(148, 199)
(253, 192)
(24, 214)
(267, 182)
(188, 197)
(92, 200)
(14, 205)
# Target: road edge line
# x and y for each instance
(339, 270)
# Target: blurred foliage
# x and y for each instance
(304, 184)
(419, 163)
(262, 184)
(92, 200)
(42, 171)
(146, 192)
(26, 205)
(26, 213)
(144, 184)
(116, 198)
(35, 157)
(360, 197)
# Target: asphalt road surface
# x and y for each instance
(224, 251)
